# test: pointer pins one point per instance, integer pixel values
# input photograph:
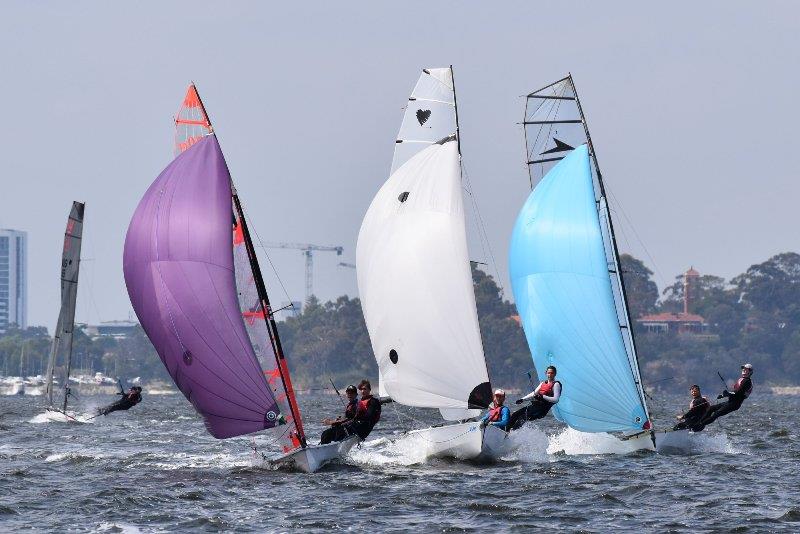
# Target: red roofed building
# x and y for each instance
(683, 322)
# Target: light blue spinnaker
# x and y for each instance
(559, 271)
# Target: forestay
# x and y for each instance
(414, 274)
(62, 336)
(560, 278)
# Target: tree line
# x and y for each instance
(754, 317)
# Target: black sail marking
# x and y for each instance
(423, 115)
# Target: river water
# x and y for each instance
(155, 468)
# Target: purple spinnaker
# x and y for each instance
(179, 270)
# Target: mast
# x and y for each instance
(272, 327)
(612, 235)
(455, 106)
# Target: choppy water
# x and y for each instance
(155, 468)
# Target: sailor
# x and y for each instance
(498, 414)
(544, 397)
(337, 430)
(368, 412)
(733, 399)
(128, 401)
(698, 407)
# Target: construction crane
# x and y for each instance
(308, 251)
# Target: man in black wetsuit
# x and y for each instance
(698, 407)
(128, 401)
(368, 412)
(337, 430)
(735, 398)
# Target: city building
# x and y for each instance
(683, 322)
(13, 279)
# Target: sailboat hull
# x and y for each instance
(315, 457)
(674, 441)
(463, 441)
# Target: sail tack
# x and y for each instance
(560, 277)
(62, 337)
(179, 270)
(413, 268)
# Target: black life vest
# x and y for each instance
(749, 388)
(351, 409)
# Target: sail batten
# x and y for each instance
(413, 268)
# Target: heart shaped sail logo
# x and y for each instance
(423, 115)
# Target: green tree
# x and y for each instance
(640, 289)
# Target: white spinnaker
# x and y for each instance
(429, 116)
(416, 287)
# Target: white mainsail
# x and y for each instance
(413, 267)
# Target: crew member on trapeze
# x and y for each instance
(733, 399)
(337, 430)
(543, 398)
(698, 407)
(128, 401)
(498, 415)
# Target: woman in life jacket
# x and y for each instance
(544, 397)
(498, 414)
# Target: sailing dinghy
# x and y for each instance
(415, 282)
(565, 274)
(60, 361)
(195, 284)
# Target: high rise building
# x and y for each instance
(13, 279)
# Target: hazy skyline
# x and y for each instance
(689, 108)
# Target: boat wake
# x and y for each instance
(408, 449)
(682, 443)
(51, 416)
(530, 445)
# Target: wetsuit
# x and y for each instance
(742, 390)
(337, 431)
(498, 416)
(128, 401)
(543, 398)
(368, 413)
(697, 410)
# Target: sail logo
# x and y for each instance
(423, 115)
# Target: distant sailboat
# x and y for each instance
(195, 284)
(62, 336)
(566, 278)
(415, 282)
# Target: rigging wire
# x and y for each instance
(482, 234)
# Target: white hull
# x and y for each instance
(463, 441)
(314, 457)
(643, 441)
(674, 441)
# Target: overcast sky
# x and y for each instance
(693, 111)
